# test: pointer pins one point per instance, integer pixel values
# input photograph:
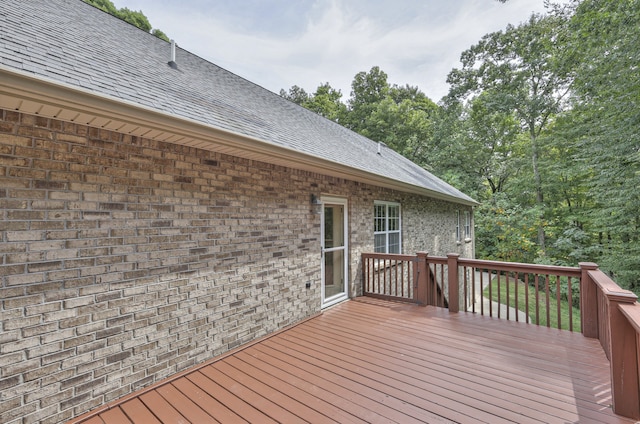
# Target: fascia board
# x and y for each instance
(25, 86)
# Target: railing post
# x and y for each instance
(625, 392)
(423, 278)
(454, 283)
(588, 301)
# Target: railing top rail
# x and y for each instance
(437, 259)
(610, 288)
(632, 312)
(521, 267)
(392, 256)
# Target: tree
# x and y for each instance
(489, 142)
(399, 116)
(519, 67)
(136, 18)
(367, 90)
(326, 102)
(605, 127)
(296, 94)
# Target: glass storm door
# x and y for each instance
(334, 250)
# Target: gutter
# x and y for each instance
(24, 92)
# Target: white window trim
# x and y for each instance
(458, 229)
(387, 232)
(467, 226)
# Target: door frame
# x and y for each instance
(341, 201)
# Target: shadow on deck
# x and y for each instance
(370, 360)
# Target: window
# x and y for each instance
(467, 225)
(466, 229)
(386, 224)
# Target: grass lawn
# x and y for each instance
(522, 290)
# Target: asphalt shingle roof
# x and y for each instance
(74, 43)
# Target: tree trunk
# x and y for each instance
(538, 186)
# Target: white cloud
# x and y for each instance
(415, 42)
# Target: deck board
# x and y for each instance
(138, 412)
(369, 360)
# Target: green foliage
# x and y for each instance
(105, 5)
(325, 101)
(136, 18)
(605, 129)
(368, 89)
(400, 117)
(296, 94)
(517, 72)
(161, 35)
(541, 125)
(537, 311)
(506, 231)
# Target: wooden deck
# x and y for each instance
(375, 361)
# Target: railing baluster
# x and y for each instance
(370, 266)
(526, 295)
(473, 289)
(537, 282)
(516, 287)
(499, 293)
(384, 277)
(570, 299)
(395, 283)
(558, 309)
(441, 286)
(482, 291)
(547, 284)
(466, 298)
(508, 299)
(379, 288)
(489, 274)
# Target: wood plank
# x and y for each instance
(482, 347)
(408, 402)
(371, 360)
(261, 403)
(499, 390)
(336, 406)
(207, 402)
(115, 416)
(598, 409)
(234, 403)
(395, 378)
(187, 408)
(94, 420)
(162, 409)
(379, 403)
(273, 393)
(325, 409)
(138, 413)
(465, 351)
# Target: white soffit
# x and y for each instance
(22, 92)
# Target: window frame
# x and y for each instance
(467, 225)
(387, 219)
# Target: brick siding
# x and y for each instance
(124, 260)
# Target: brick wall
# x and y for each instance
(124, 260)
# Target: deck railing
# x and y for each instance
(572, 298)
(612, 315)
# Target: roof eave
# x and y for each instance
(22, 91)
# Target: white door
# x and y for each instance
(334, 250)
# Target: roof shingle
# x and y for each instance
(71, 42)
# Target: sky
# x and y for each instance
(281, 43)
